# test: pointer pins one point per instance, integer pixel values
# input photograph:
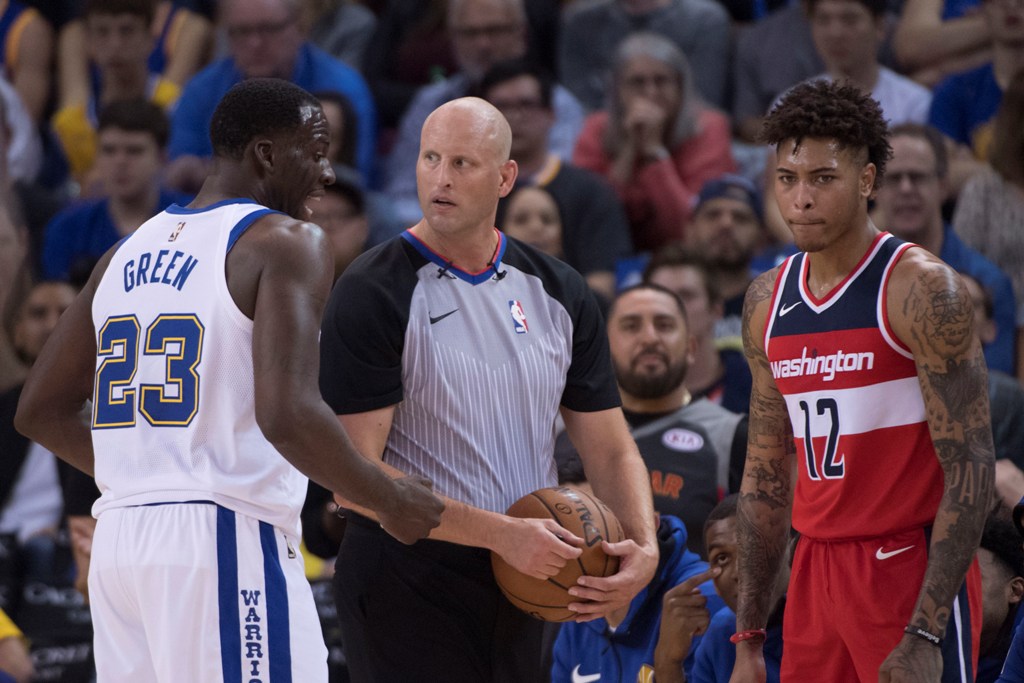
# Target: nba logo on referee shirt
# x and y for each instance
(518, 317)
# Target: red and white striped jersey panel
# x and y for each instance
(865, 459)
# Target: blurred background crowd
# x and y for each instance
(635, 128)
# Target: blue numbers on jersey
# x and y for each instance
(830, 467)
(173, 402)
(114, 400)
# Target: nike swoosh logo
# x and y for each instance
(577, 677)
(881, 555)
(441, 317)
(783, 310)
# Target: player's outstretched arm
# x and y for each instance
(931, 312)
(620, 479)
(538, 547)
(55, 405)
(763, 516)
(281, 273)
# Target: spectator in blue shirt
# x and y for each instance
(965, 103)
(132, 139)
(483, 33)
(716, 654)
(628, 646)
(910, 206)
(266, 39)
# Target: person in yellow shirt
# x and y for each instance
(15, 663)
(134, 50)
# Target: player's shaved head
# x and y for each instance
(479, 120)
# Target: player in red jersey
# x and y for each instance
(870, 383)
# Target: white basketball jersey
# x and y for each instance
(173, 405)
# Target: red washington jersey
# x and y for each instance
(866, 462)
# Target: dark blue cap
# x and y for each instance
(732, 186)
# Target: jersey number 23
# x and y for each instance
(168, 401)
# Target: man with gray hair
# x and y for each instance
(483, 33)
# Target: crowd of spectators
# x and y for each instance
(635, 129)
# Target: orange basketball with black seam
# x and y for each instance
(577, 512)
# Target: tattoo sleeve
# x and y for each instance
(763, 518)
(954, 384)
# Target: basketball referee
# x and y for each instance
(448, 352)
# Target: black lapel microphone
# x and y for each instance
(442, 272)
(498, 274)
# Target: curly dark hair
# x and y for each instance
(256, 107)
(827, 109)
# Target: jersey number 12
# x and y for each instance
(830, 467)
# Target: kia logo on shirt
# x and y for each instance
(682, 440)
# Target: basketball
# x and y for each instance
(583, 515)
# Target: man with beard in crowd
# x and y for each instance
(694, 449)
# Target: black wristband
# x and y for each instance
(921, 633)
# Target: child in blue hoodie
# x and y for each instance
(715, 655)
(622, 648)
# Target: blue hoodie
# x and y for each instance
(716, 655)
(586, 649)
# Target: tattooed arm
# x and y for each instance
(766, 489)
(931, 312)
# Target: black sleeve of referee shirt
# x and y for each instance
(590, 384)
(363, 331)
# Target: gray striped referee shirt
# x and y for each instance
(477, 363)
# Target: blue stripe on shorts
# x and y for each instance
(278, 631)
(227, 596)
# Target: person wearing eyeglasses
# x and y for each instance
(265, 39)
(909, 204)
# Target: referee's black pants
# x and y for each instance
(428, 612)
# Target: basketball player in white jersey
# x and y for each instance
(196, 341)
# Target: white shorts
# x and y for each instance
(196, 592)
